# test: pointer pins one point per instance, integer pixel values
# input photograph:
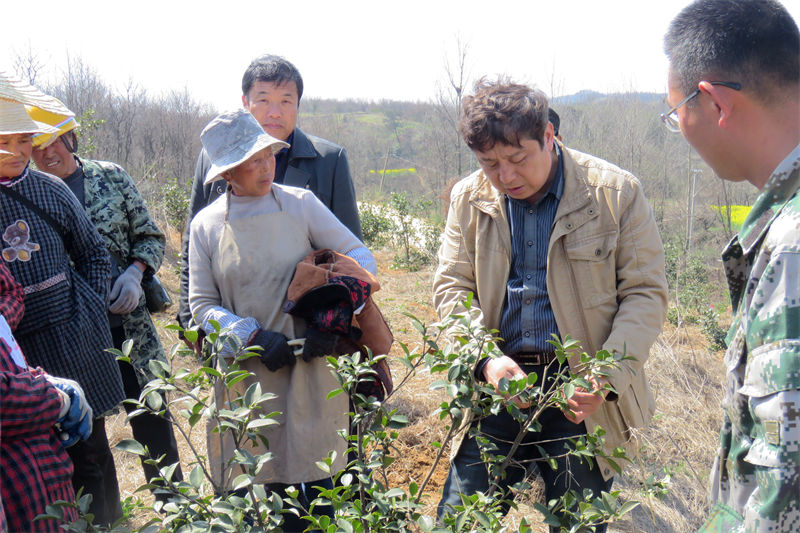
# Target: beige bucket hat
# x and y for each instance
(49, 115)
(231, 139)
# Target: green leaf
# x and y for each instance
(126, 347)
(261, 422)
(196, 477)
(211, 371)
(627, 507)
(242, 481)
(334, 393)
(131, 446)
(344, 525)
(425, 523)
(325, 467)
(394, 493)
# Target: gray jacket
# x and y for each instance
(314, 164)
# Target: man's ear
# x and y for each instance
(549, 137)
(244, 102)
(723, 99)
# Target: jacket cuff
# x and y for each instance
(478, 372)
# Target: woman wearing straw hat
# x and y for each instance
(53, 250)
(242, 254)
(136, 246)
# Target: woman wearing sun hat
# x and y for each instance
(53, 250)
(242, 254)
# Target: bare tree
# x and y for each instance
(448, 100)
(27, 65)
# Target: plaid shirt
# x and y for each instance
(36, 470)
(65, 280)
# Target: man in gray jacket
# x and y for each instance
(271, 91)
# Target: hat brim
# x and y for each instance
(32, 127)
(47, 113)
(265, 140)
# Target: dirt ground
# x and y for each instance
(684, 374)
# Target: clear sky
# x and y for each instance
(367, 49)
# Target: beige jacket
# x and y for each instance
(605, 274)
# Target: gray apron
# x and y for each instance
(253, 265)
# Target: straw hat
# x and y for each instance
(231, 139)
(14, 119)
(44, 109)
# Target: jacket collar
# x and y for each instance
(781, 187)
(301, 147)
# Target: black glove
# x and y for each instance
(319, 343)
(275, 350)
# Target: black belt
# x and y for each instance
(534, 358)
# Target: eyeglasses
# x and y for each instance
(670, 118)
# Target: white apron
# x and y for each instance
(252, 267)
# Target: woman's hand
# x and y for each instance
(275, 351)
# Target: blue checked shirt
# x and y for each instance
(528, 320)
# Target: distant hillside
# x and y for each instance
(588, 97)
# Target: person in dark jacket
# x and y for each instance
(271, 90)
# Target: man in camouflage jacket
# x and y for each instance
(136, 245)
(735, 88)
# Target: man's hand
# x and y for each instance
(498, 368)
(584, 403)
(126, 291)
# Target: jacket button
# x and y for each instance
(569, 225)
(591, 211)
(598, 252)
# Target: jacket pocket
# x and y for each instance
(592, 259)
(772, 427)
(630, 407)
(48, 303)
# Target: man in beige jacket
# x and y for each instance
(550, 241)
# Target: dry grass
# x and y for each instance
(685, 377)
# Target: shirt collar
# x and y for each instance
(284, 150)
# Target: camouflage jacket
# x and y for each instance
(119, 213)
(756, 475)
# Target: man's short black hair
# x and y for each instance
(271, 68)
(555, 120)
(752, 42)
(503, 112)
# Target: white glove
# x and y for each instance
(126, 291)
(75, 417)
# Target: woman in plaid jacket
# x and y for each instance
(36, 468)
(53, 250)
